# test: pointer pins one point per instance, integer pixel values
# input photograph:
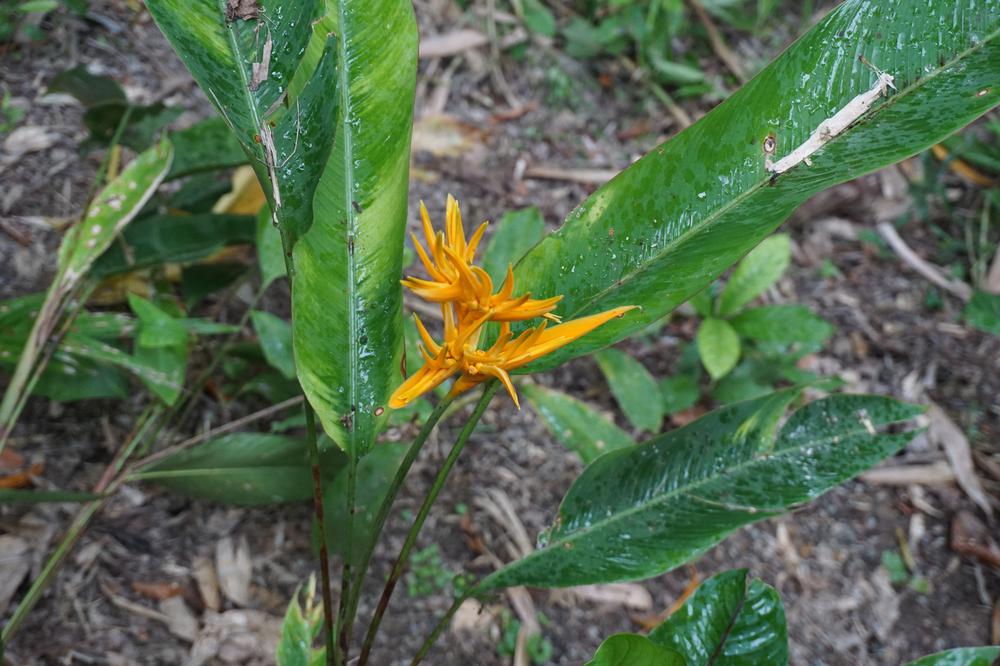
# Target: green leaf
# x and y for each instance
(275, 335)
(39, 496)
(160, 239)
(39, 6)
(241, 468)
(643, 510)
(244, 64)
(972, 656)
(577, 425)
(758, 271)
(538, 18)
(786, 324)
(167, 366)
(270, 256)
(156, 327)
(89, 89)
(112, 209)
(633, 650)
(983, 312)
(718, 346)
(346, 297)
(728, 621)
(68, 378)
(676, 219)
(679, 393)
(297, 629)
(634, 388)
(205, 146)
(375, 472)
(515, 233)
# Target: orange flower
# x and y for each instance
(455, 279)
(465, 293)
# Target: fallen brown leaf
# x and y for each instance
(208, 583)
(236, 637)
(181, 621)
(158, 590)
(21, 479)
(446, 136)
(15, 562)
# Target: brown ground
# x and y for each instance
(824, 559)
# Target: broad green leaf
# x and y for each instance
(728, 621)
(679, 217)
(758, 271)
(167, 366)
(983, 312)
(643, 510)
(200, 280)
(782, 323)
(68, 378)
(8, 496)
(718, 346)
(375, 472)
(160, 239)
(678, 393)
(634, 388)
(972, 656)
(89, 89)
(244, 62)
(275, 335)
(241, 468)
(577, 425)
(205, 146)
(346, 297)
(156, 327)
(750, 379)
(634, 650)
(515, 233)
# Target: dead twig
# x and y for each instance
(718, 42)
(925, 269)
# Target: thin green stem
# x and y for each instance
(324, 553)
(344, 623)
(418, 523)
(440, 626)
(361, 566)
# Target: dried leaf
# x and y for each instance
(584, 176)
(234, 567)
(236, 637)
(182, 622)
(158, 590)
(970, 537)
(242, 9)
(446, 136)
(27, 139)
(208, 583)
(15, 562)
(956, 446)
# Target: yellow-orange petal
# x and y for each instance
(423, 380)
(554, 337)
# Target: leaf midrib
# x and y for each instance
(719, 212)
(350, 218)
(599, 524)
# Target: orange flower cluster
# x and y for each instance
(465, 294)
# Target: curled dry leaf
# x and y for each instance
(181, 621)
(208, 583)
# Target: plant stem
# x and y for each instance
(345, 623)
(411, 537)
(324, 554)
(361, 566)
(440, 626)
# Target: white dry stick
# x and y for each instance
(834, 125)
(927, 270)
